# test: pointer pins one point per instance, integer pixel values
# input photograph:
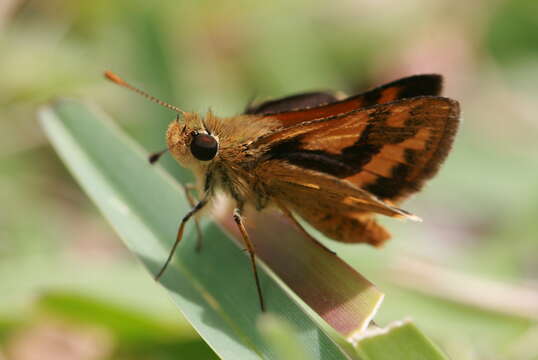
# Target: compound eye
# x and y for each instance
(204, 147)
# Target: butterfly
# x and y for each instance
(334, 161)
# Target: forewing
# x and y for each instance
(413, 86)
(388, 150)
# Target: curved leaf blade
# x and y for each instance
(214, 289)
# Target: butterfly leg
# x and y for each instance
(250, 248)
(186, 218)
(188, 188)
(289, 214)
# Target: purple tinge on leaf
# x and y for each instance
(330, 287)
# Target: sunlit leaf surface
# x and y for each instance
(214, 289)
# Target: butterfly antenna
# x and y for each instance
(118, 80)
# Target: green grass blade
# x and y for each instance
(213, 289)
(401, 340)
(282, 337)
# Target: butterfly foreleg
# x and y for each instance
(199, 206)
(238, 218)
(188, 189)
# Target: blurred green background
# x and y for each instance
(467, 275)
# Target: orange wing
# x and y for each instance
(389, 150)
(304, 107)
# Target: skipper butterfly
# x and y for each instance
(335, 162)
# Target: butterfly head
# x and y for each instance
(190, 142)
